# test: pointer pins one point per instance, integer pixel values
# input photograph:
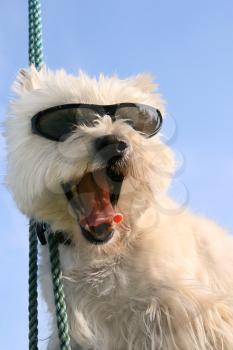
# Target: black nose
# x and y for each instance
(109, 146)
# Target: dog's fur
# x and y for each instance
(165, 279)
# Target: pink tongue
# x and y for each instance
(93, 190)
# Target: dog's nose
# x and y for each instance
(110, 146)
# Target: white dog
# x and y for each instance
(136, 277)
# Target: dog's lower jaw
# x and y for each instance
(97, 240)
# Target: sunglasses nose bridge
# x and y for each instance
(110, 110)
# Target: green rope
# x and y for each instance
(36, 58)
(31, 50)
(32, 302)
(35, 34)
(62, 322)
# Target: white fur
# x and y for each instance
(164, 281)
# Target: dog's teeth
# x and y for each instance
(87, 228)
(73, 188)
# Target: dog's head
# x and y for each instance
(81, 153)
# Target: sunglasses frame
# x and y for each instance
(104, 109)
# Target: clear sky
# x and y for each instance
(186, 45)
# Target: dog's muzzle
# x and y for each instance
(111, 148)
(94, 197)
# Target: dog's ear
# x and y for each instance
(145, 82)
(28, 79)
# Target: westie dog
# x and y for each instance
(86, 157)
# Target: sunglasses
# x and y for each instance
(58, 123)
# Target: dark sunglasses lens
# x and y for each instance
(59, 124)
(56, 124)
(144, 119)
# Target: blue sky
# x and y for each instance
(186, 45)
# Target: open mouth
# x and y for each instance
(93, 199)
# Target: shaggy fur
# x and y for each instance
(165, 279)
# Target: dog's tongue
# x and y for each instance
(94, 195)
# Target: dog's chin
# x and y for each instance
(93, 199)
